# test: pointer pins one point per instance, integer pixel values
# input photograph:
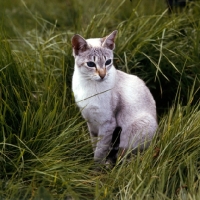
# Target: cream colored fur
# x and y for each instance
(109, 98)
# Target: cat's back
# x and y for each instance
(130, 83)
(134, 93)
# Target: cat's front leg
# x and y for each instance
(93, 134)
(104, 141)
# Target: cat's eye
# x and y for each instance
(108, 62)
(91, 64)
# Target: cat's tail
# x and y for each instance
(114, 147)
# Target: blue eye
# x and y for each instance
(108, 62)
(91, 64)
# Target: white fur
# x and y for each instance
(94, 42)
(119, 99)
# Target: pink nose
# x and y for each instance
(102, 73)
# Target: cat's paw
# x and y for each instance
(109, 164)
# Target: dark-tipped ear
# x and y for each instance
(109, 41)
(79, 44)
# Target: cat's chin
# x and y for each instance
(98, 79)
(101, 80)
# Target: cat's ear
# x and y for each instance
(79, 44)
(109, 41)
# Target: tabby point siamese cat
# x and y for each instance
(110, 99)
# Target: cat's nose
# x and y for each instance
(102, 76)
(102, 73)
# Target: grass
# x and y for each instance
(45, 149)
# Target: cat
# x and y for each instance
(110, 99)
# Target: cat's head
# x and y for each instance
(94, 57)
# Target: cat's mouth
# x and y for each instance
(102, 79)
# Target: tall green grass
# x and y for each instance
(45, 149)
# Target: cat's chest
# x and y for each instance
(97, 98)
(93, 100)
(90, 92)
